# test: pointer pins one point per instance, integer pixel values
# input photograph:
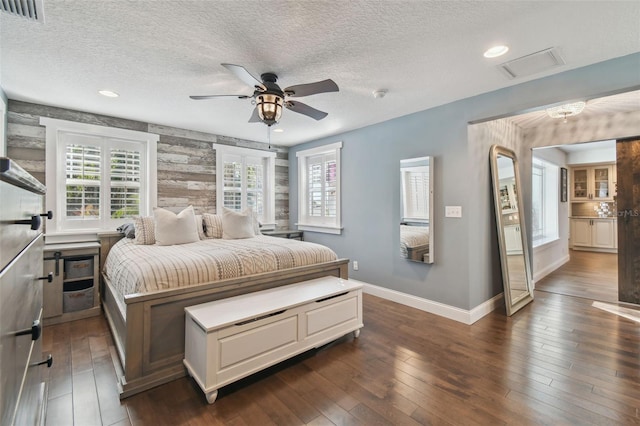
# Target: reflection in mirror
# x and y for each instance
(416, 199)
(512, 239)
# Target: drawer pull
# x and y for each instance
(331, 297)
(35, 222)
(261, 317)
(34, 331)
(48, 361)
(48, 214)
(48, 277)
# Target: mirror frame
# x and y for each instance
(512, 306)
(430, 256)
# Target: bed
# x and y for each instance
(146, 288)
(414, 242)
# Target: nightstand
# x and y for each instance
(285, 233)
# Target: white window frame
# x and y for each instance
(268, 220)
(318, 224)
(109, 137)
(550, 214)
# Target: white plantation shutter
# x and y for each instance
(319, 189)
(82, 182)
(248, 181)
(416, 193)
(125, 171)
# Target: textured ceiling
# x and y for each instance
(425, 53)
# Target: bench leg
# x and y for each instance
(211, 396)
(356, 333)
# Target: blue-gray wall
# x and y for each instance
(466, 270)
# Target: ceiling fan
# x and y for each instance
(270, 98)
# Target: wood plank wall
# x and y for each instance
(186, 161)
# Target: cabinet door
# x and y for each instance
(581, 232)
(512, 239)
(580, 184)
(602, 183)
(602, 233)
(52, 291)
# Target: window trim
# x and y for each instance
(304, 222)
(56, 165)
(269, 220)
(553, 187)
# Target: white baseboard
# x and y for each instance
(550, 268)
(437, 308)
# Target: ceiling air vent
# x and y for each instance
(534, 63)
(30, 9)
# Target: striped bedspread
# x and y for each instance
(135, 268)
(413, 237)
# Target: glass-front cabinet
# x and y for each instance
(593, 183)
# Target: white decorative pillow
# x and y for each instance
(200, 227)
(174, 228)
(144, 230)
(237, 225)
(212, 225)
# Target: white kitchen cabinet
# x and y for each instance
(513, 239)
(592, 183)
(598, 234)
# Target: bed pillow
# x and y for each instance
(144, 230)
(128, 229)
(174, 228)
(200, 227)
(237, 225)
(212, 225)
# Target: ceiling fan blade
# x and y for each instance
(323, 86)
(255, 118)
(244, 75)
(305, 109)
(198, 98)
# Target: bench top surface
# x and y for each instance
(220, 313)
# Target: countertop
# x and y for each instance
(593, 217)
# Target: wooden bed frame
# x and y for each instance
(149, 339)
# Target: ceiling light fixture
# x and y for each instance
(496, 51)
(108, 93)
(566, 110)
(269, 107)
(379, 94)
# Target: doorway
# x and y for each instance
(587, 221)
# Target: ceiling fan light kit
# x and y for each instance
(270, 99)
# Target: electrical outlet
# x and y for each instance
(355, 265)
(453, 211)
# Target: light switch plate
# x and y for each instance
(453, 211)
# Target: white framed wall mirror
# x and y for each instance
(416, 209)
(512, 236)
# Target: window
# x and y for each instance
(545, 186)
(247, 181)
(319, 189)
(415, 193)
(98, 177)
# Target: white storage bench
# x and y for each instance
(228, 339)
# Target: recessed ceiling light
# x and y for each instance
(108, 93)
(278, 130)
(496, 51)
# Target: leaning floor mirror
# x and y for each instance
(512, 236)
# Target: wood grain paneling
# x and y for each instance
(186, 161)
(628, 181)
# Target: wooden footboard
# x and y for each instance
(150, 336)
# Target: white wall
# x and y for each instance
(3, 123)
(600, 155)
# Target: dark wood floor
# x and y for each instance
(591, 275)
(557, 361)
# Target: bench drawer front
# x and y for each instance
(257, 342)
(335, 314)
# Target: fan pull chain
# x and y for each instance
(269, 135)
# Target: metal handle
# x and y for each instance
(35, 331)
(48, 277)
(48, 361)
(35, 222)
(48, 214)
